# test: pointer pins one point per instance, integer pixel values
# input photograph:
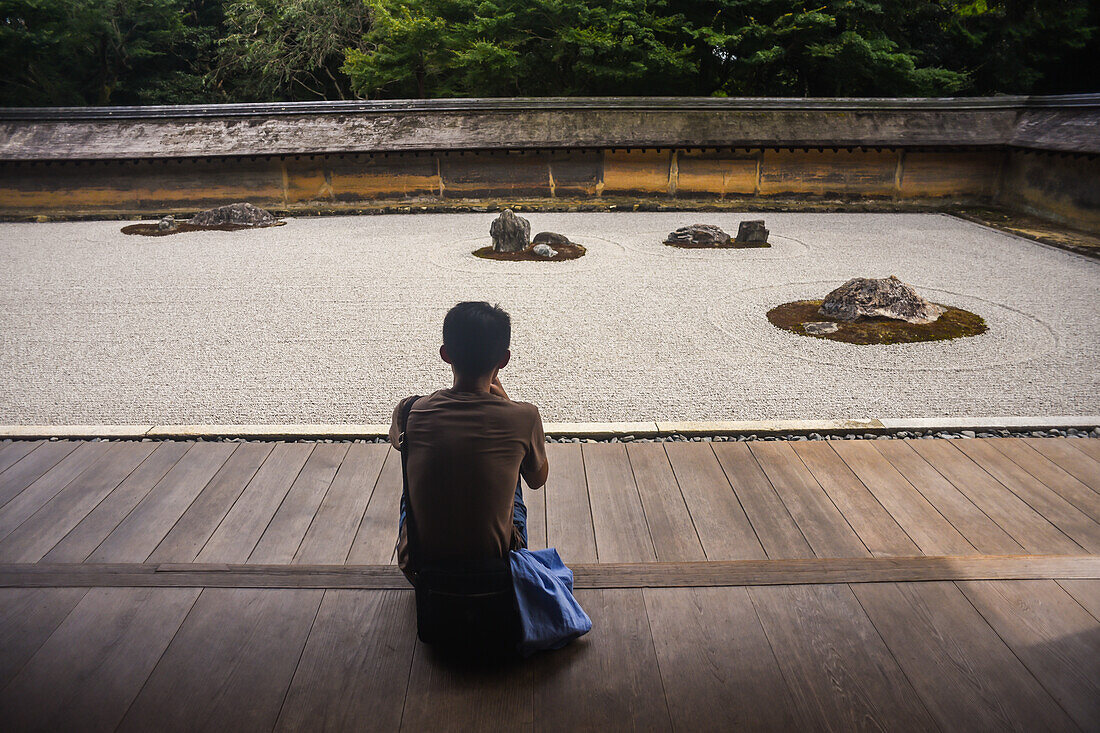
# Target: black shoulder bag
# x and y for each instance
(465, 607)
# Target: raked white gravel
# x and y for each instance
(332, 320)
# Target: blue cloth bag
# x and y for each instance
(550, 616)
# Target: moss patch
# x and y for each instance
(732, 244)
(953, 324)
(565, 252)
(150, 230)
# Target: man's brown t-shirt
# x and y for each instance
(466, 451)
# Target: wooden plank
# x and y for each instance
(45, 528)
(1065, 484)
(1089, 446)
(965, 674)
(840, 674)
(92, 667)
(711, 647)
(593, 575)
(376, 540)
(1085, 592)
(27, 618)
(933, 534)
(1033, 531)
(329, 538)
(618, 519)
(230, 664)
(535, 501)
(824, 527)
(670, 526)
(773, 524)
(11, 453)
(135, 538)
(33, 466)
(724, 529)
(1062, 514)
(974, 524)
(568, 511)
(238, 533)
(880, 532)
(186, 538)
(101, 521)
(49, 484)
(284, 534)
(1053, 636)
(608, 679)
(1061, 452)
(355, 666)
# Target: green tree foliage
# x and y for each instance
(55, 52)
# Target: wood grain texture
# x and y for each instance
(82, 540)
(1074, 523)
(27, 618)
(1051, 634)
(535, 501)
(1077, 463)
(90, 670)
(376, 540)
(329, 537)
(925, 526)
(1086, 592)
(136, 536)
(1033, 531)
(970, 521)
(284, 534)
(568, 510)
(724, 529)
(718, 668)
(45, 528)
(840, 673)
(1089, 446)
(824, 527)
(13, 452)
(230, 664)
(618, 519)
(32, 466)
(244, 524)
(670, 524)
(354, 670)
(193, 530)
(1064, 483)
(880, 532)
(772, 522)
(965, 674)
(50, 484)
(608, 679)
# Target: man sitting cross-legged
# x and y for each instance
(467, 447)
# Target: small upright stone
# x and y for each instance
(887, 297)
(239, 214)
(544, 250)
(752, 232)
(510, 233)
(698, 235)
(167, 224)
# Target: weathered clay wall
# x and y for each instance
(309, 182)
(1065, 188)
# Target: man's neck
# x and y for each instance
(476, 384)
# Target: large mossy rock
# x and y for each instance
(240, 214)
(888, 297)
(510, 233)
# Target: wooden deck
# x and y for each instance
(926, 585)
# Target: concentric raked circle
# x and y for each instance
(1013, 337)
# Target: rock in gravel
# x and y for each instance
(544, 250)
(818, 328)
(698, 234)
(167, 224)
(551, 238)
(752, 232)
(885, 297)
(239, 214)
(510, 233)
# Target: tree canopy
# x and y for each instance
(96, 52)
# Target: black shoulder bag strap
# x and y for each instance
(403, 446)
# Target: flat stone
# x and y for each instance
(510, 233)
(698, 234)
(752, 232)
(239, 214)
(818, 328)
(874, 297)
(544, 250)
(551, 238)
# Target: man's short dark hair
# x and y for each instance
(477, 336)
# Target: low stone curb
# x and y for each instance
(584, 430)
